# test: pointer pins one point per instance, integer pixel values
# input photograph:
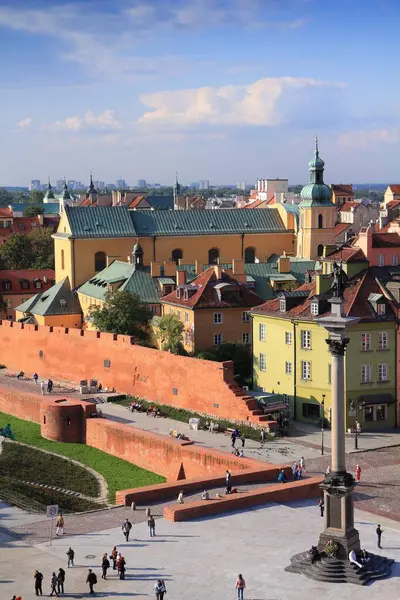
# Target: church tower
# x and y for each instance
(176, 191)
(317, 213)
(91, 192)
(49, 195)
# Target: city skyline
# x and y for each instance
(225, 90)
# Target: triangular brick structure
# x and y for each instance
(181, 474)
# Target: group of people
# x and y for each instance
(43, 386)
(56, 582)
(118, 561)
(235, 435)
(298, 469)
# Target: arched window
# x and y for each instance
(320, 249)
(249, 255)
(320, 222)
(213, 256)
(177, 254)
(62, 260)
(99, 261)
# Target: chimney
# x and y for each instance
(197, 267)
(169, 268)
(218, 271)
(284, 264)
(155, 269)
(238, 266)
(180, 277)
(129, 259)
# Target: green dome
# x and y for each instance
(316, 192)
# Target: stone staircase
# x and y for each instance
(333, 570)
(256, 415)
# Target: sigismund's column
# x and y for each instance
(338, 485)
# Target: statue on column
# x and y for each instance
(337, 285)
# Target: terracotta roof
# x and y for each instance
(385, 240)
(15, 277)
(136, 201)
(349, 205)
(340, 227)
(393, 203)
(355, 296)
(346, 255)
(395, 188)
(88, 202)
(254, 204)
(5, 213)
(342, 188)
(206, 296)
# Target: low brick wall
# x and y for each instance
(288, 492)
(165, 491)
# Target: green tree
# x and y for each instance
(16, 252)
(33, 210)
(5, 197)
(42, 248)
(3, 305)
(240, 354)
(122, 313)
(36, 197)
(169, 332)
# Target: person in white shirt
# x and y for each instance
(353, 559)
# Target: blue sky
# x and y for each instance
(223, 90)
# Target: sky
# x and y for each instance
(224, 90)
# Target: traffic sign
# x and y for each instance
(52, 510)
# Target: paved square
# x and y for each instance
(199, 560)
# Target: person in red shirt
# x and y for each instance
(240, 586)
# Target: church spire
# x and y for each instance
(316, 193)
(49, 195)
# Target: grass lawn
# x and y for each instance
(118, 473)
(27, 464)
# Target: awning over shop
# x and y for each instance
(373, 399)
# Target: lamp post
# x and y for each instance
(322, 423)
(358, 404)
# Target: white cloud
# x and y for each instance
(266, 102)
(364, 138)
(89, 122)
(23, 124)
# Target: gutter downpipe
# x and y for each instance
(154, 248)
(294, 371)
(73, 264)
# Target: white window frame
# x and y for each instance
(288, 367)
(383, 372)
(218, 339)
(314, 309)
(245, 316)
(282, 305)
(171, 311)
(366, 374)
(188, 340)
(178, 314)
(383, 340)
(245, 337)
(305, 339)
(217, 318)
(263, 361)
(381, 309)
(366, 342)
(288, 338)
(186, 317)
(262, 332)
(9, 302)
(395, 260)
(381, 260)
(305, 370)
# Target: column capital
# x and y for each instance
(337, 347)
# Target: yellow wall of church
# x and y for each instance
(310, 235)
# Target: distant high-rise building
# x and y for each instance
(100, 185)
(156, 185)
(34, 185)
(241, 185)
(59, 185)
(111, 186)
(204, 184)
(142, 183)
(79, 185)
(121, 184)
(71, 184)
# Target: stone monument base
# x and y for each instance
(334, 570)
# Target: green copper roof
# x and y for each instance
(262, 273)
(58, 300)
(316, 192)
(135, 281)
(206, 222)
(100, 221)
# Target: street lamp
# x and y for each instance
(358, 404)
(322, 423)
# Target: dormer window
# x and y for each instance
(282, 305)
(7, 285)
(178, 292)
(186, 294)
(314, 309)
(24, 284)
(37, 283)
(381, 309)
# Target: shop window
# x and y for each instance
(368, 414)
(381, 412)
(311, 411)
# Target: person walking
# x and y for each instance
(113, 557)
(35, 378)
(379, 532)
(240, 586)
(105, 565)
(152, 526)
(122, 567)
(38, 577)
(243, 440)
(42, 385)
(126, 528)
(358, 473)
(321, 505)
(302, 464)
(60, 580)
(163, 589)
(49, 386)
(53, 584)
(228, 481)
(180, 497)
(91, 579)
(263, 437)
(71, 556)
(60, 524)
(159, 589)
(233, 439)
(295, 472)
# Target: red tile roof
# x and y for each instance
(340, 227)
(347, 206)
(385, 240)
(395, 188)
(88, 202)
(136, 201)
(206, 296)
(5, 213)
(355, 304)
(15, 277)
(393, 204)
(346, 255)
(342, 188)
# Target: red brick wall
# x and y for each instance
(164, 455)
(202, 386)
(24, 406)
